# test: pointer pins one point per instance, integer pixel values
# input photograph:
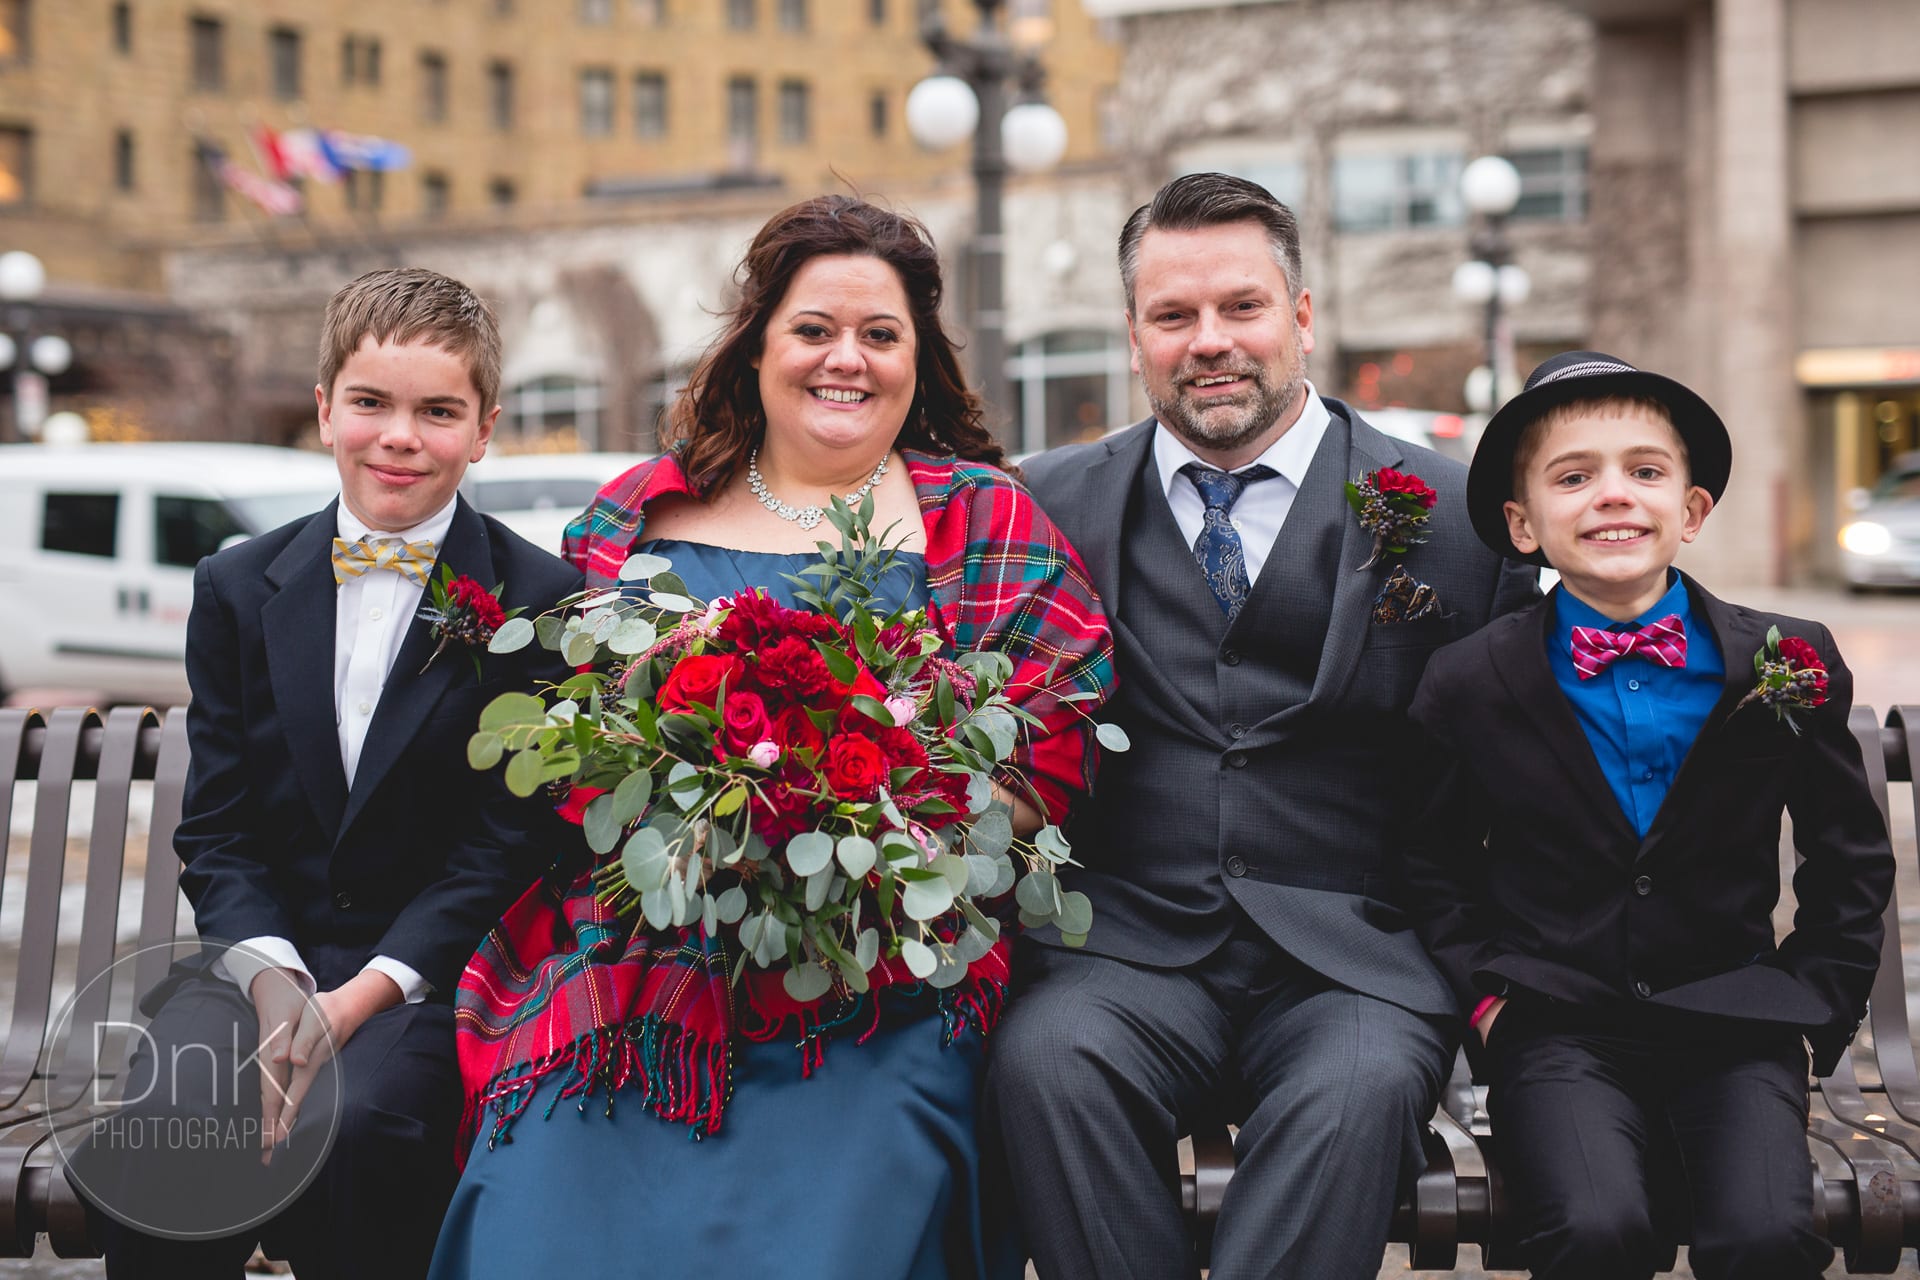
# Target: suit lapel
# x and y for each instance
(409, 695)
(1519, 656)
(1353, 591)
(297, 625)
(1107, 489)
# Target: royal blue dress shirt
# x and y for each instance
(1640, 718)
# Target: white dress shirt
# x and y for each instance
(371, 615)
(1263, 505)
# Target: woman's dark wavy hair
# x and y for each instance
(719, 418)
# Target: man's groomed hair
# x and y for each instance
(412, 304)
(1212, 200)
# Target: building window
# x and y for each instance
(877, 113)
(16, 17)
(650, 104)
(596, 13)
(501, 194)
(794, 110)
(1068, 386)
(743, 110)
(81, 524)
(546, 406)
(435, 194)
(283, 54)
(596, 102)
(650, 13)
(369, 60)
(877, 13)
(360, 60)
(1396, 191)
(1553, 182)
(503, 8)
(741, 15)
(793, 15)
(123, 27)
(365, 189)
(500, 95)
(209, 196)
(123, 160)
(16, 166)
(209, 38)
(433, 88)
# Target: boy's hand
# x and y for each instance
(280, 1002)
(328, 1021)
(1485, 1025)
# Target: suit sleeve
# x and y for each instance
(1515, 586)
(1444, 859)
(1842, 886)
(226, 872)
(501, 847)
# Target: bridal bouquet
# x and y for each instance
(814, 786)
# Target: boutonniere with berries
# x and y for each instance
(1393, 506)
(461, 609)
(1791, 677)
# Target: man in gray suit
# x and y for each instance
(1247, 957)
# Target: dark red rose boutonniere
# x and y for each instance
(1393, 506)
(462, 610)
(1791, 676)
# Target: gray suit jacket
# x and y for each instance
(1236, 794)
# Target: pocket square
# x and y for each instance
(1404, 598)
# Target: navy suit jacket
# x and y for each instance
(419, 857)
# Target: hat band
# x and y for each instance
(1584, 370)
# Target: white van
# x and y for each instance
(538, 494)
(98, 544)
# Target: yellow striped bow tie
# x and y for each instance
(411, 560)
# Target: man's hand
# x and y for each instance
(280, 1002)
(1485, 1025)
(328, 1022)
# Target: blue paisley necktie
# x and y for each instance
(1218, 548)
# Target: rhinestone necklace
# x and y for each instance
(805, 517)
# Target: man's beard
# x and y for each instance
(1228, 426)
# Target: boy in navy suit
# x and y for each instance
(1598, 871)
(333, 829)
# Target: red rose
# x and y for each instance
(1387, 480)
(782, 808)
(467, 592)
(793, 663)
(744, 722)
(696, 680)
(855, 767)
(1801, 656)
(795, 730)
(863, 682)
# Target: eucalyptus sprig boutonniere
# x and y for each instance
(461, 609)
(1791, 676)
(1393, 506)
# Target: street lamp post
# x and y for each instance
(969, 95)
(1491, 188)
(33, 359)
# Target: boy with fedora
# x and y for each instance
(1597, 873)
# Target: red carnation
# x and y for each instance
(696, 680)
(465, 591)
(754, 622)
(744, 722)
(783, 808)
(855, 767)
(901, 748)
(793, 664)
(1801, 656)
(1387, 480)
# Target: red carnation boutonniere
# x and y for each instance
(1393, 506)
(1791, 676)
(461, 609)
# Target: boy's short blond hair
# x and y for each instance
(412, 304)
(1535, 432)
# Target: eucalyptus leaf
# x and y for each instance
(1112, 737)
(856, 854)
(731, 905)
(684, 784)
(1052, 844)
(672, 602)
(926, 899)
(971, 945)
(484, 750)
(512, 636)
(668, 581)
(1074, 939)
(991, 832)
(808, 982)
(950, 971)
(866, 950)
(549, 628)
(1037, 893)
(641, 566)
(633, 635)
(979, 793)
(631, 796)
(709, 915)
(512, 709)
(982, 924)
(605, 625)
(817, 886)
(599, 824)
(809, 851)
(579, 648)
(657, 907)
(921, 962)
(524, 773)
(676, 900)
(645, 860)
(754, 847)
(1076, 913)
(954, 868)
(1000, 728)
(899, 847)
(1003, 883)
(982, 872)
(1028, 920)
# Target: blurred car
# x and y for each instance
(98, 544)
(1444, 433)
(1880, 547)
(538, 494)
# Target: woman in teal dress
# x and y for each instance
(621, 1126)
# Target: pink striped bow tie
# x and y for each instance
(1663, 643)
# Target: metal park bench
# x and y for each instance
(1864, 1135)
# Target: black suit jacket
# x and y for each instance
(1527, 874)
(420, 857)
(1293, 809)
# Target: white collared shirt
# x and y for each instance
(371, 615)
(1263, 506)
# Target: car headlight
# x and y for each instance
(1865, 538)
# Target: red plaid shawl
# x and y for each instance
(560, 987)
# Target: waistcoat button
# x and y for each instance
(1236, 865)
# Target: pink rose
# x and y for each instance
(901, 708)
(764, 754)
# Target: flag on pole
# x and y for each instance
(306, 155)
(364, 151)
(271, 153)
(273, 197)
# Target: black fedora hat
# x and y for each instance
(1585, 375)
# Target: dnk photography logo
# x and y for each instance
(202, 1116)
